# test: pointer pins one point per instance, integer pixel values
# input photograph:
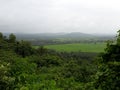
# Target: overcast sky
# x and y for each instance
(40, 16)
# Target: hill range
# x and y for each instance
(73, 36)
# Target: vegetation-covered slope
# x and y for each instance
(24, 68)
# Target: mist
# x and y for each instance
(55, 16)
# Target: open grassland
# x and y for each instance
(83, 47)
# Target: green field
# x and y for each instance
(99, 47)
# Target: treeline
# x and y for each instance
(24, 68)
(53, 42)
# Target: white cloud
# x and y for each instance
(60, 15)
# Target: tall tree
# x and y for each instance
(12, 38)
(108, 75)
(23, 48)
(1, 36)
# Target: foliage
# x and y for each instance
(23, 48)
(12, 38)
(22, 67)
(108, 74)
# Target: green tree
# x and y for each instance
(108, 75)
(41, 50)
(1, 36)
(7, 59)
(12, 38)
(24, 48)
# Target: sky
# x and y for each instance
(55, 16)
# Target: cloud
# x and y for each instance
(35, 16)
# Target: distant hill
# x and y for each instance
(49, 36)
(77, 35)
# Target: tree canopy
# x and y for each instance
(108, 75)
(23, 67)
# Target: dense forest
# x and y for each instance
(23, 67)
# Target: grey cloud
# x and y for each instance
(36, 16)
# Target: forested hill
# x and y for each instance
(74, 35)
(23, 67)
(62, 38)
